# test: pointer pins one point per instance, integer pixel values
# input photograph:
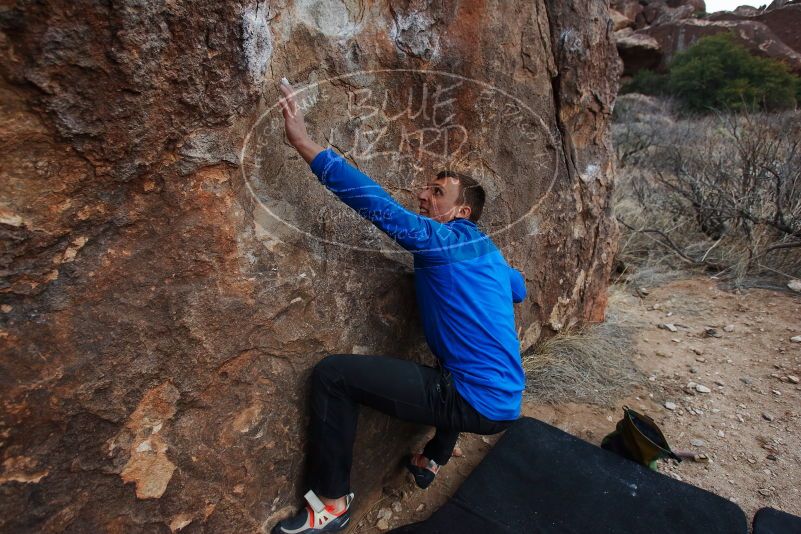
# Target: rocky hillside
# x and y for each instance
(648, 33)
(171, 270)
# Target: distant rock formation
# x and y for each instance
(649, 34)
(638, 51)
(171, 269)
(783, 19)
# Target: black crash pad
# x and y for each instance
(772, 521)
(539, 479)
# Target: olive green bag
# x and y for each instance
(637, 438)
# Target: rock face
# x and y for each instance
(660, 30)
(784, 21)
(171, 270)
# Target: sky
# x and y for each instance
(730, 5)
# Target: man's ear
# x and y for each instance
(465, 211)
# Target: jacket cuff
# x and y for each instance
(318, 164)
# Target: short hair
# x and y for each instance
(470, 192)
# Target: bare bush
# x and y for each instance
(638, 121)
(721, 192)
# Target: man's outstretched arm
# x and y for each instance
(412, 231)
(295, 126)
(518, 283)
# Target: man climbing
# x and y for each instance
(465, 290)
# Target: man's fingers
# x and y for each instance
(286, 108)
(289, 97)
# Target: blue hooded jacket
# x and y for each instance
(465, 289)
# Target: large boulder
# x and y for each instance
(637, 51)
(652, 10)
(631, 9)
(673, 14)
(171, 269)
(656, 12)
(743, 11)
(619, 20)
(698, 6)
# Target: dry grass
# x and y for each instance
(591, 365)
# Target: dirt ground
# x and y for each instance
(748, 423)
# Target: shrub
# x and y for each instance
(718, 73)
(646, 82)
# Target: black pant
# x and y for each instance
(400, 388)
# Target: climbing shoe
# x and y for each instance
(316, 517)
(423, 476)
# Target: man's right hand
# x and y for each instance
(295, 125)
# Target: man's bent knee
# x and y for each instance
(325, 370)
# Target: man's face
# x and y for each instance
(438, 199)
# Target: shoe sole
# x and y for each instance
(328, 528)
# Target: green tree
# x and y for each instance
(718, 73)
(646, 82)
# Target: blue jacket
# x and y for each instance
(465, 290)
